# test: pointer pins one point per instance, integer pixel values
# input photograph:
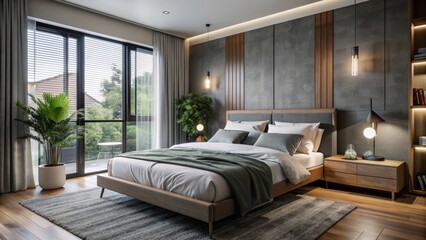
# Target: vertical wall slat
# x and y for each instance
(324, 60)
(234, 57)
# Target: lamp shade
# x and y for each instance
(373, 117)
(207, 81)
(200, 127)
(355, 59)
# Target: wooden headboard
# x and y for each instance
(326, 116)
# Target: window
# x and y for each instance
(141, 96)
(111, 80)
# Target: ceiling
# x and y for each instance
(187, 18)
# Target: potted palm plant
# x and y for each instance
(51, 120)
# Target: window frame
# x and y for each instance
(80, 81)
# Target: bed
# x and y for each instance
(212, 206)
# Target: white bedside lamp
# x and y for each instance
(200, 129)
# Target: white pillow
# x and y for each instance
(318, 137)
(261, 125)
(246, 126)
(315, 127)
(307, 144)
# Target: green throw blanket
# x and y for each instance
(250, 180)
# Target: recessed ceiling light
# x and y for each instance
(166, 12)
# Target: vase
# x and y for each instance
(350, 153)
(51, 177)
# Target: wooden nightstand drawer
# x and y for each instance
(339, 177)
(340, 167)
(385, 175)
(377, 183)
(376, 171)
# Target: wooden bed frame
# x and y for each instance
(207, 211)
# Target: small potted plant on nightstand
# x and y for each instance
(194, 109)
(51, 120)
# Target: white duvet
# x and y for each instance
(201, 184)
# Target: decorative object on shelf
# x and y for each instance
(51, 120)
(200, 129)
(422, 140)
(350, 153)
(371, 133)
(193, 109)
(421, 53)
(207, 81)
(422, 181)
(355, 49)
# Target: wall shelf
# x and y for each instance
(417, 116)
(419, 21)
(419, 107)
(419, 60)
(419, 192)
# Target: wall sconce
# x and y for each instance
(207, 81)
(370, 132)
(355, 51)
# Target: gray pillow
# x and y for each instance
(228, 136)
(251, 138)
(282, 142)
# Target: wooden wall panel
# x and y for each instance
(234, 64)
(324, 60)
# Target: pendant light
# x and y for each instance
(207, 81)
(355, 51)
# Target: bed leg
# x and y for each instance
(102, 192)
(210, 229)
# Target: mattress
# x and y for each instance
(205, 185)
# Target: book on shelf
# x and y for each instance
(424, 179)
(419, 96)
(421, 183)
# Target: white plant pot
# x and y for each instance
(51, 177)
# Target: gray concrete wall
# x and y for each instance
(259, 68)
(386, 84)
(293, 70)
(205, 57)
(295, 64)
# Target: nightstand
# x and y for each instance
(387, 175)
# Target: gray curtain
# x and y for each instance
(169, 77)
(15, 154)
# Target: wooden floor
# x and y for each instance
(377, 217)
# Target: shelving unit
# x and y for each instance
(417, 113)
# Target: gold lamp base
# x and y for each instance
(200, 139)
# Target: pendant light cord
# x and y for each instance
(355, 19)
(384, 55)
(208, 47)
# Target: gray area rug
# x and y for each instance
(117, 216)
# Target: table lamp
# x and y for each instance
(373, 118)
(200, 129)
